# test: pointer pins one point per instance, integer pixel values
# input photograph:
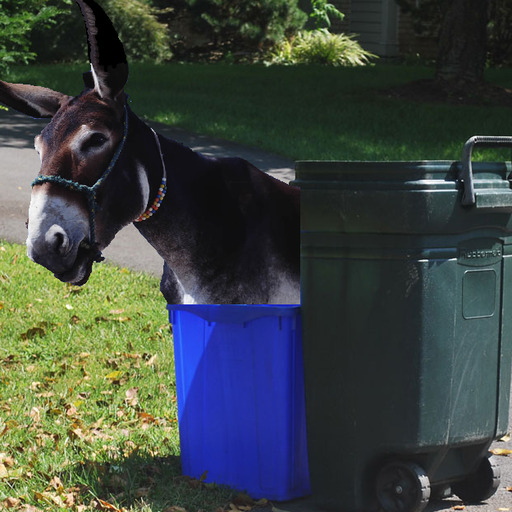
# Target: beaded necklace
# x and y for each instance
(161, 191)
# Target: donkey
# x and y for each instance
(227, 232)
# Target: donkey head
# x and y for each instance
(67, 227)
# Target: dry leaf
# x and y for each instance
(11, 502)
(56, 483)
(105, 505)
(32, 333)
(505, 438)
(501, 451)
(146, 417)
(114, 376)
(3, 471)
(131, 397)
(35, 414)
(151, 361)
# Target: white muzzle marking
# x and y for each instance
(55, 229)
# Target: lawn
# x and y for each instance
(301, 112)
(88, 417)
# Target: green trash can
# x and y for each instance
(407, 328)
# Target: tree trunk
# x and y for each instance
(462, 44)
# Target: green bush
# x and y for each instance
(17, 20)
(321, 47)
(245, 25)
(143, 36)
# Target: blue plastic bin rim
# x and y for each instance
(235, 313)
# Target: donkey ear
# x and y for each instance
(106, 52)
(32, 100)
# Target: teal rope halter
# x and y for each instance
(90, 192)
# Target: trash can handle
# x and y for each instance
(468, 196)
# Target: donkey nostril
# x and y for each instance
(57, 240)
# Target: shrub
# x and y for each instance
(245, 25)
(321, 47)
(322, 13)
(17, 20)
(143, 36)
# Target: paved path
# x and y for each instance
(19, 165)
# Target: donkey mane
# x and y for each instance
(228, 233)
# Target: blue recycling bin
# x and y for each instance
(240, 390)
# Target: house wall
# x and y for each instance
(382, 29)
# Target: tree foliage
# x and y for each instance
(323, 12)
(144, 37)
(17, 20)
(245, 25)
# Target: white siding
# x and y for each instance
(376, 24)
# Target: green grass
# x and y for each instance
(87, 394)
(301, 112)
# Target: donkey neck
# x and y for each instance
(170, 230)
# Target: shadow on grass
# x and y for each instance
(143, 482)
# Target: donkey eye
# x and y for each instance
(96, 140)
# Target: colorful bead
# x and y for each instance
(156, 203)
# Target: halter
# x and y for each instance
(90, 192)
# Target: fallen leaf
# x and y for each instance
(458, 507)
(7, 460)
(31, 333)
(3, 471)
(11, 502)
(35, 414)
(505, 438)
(56, 483)
(105, 505)
(501, 451)
(146, 417)
(151, 361)
(114, 376)
(131, 397)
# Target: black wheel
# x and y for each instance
(402, 487)
(480, 485)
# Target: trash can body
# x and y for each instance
(240, 390)
(407, 321)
